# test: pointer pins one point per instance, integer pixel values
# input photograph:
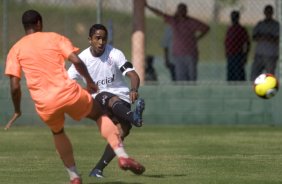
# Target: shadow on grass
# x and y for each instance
(163, 175)
(116, 182)
(148, 176)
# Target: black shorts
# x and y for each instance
(103, 99)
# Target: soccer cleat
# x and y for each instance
(131, 164)
(76, 181)
(137, 114)
(96, 173)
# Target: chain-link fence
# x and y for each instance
(233, 103)
(74, 17)
(222, 51)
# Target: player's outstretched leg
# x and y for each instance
(137, 113)
(112, 134)
(109, 153)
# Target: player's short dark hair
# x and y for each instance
(96, 27)
(30, 18)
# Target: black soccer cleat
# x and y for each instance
(96, 173)
(137, 113)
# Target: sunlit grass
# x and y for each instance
(171, 154)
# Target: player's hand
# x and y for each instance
(133, 96)
(12, 120)
(92, 88)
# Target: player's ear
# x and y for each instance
(89, 40)
(39, 26)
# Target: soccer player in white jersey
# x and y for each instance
(107, 67)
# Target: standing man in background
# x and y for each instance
(237, 47)
(266, 36)
(150, 71)
(187, 31)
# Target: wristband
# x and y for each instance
(134, 90)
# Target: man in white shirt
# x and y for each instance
(107, 66)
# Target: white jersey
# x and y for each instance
(105, 71)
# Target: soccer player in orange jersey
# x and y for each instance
(41, 56)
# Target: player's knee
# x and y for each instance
(125, 130)
(58, 132)
(125, 134)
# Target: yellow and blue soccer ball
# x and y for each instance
(266, 85)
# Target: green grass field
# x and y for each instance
(172, 155)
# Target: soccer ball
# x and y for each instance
(266, 85)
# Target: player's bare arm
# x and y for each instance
(135, 82)
(203, 33)
(16, 98)
(82, 69)
(154, 10)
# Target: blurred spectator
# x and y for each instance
(187, 31)
(266, 35)
(237, 46)
(167, 46)
(150, 72)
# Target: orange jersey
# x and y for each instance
(42, 56)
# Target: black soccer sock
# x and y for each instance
(106, 158)
(122, 111)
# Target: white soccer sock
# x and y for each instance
(120, 152)
(72, 172)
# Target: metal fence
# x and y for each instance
(166, 101)
(74, 17)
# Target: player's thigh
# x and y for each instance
(54, 120)
(103, 100)
(104, 97)
(81, 108)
